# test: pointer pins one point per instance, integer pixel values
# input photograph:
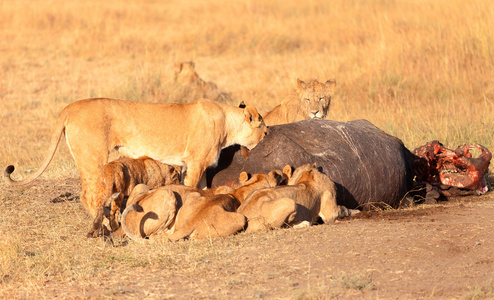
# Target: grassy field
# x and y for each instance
(419, 70)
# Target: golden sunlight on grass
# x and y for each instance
(420, 70)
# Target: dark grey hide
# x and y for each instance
(367, 165)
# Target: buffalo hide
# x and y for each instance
(368, 166)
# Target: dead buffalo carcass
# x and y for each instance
(452, 172)
(369, 166)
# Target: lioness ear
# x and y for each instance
(251, 114)
(301, 85)
(243, 177)
(330, 85)
(287, 171)
(192, 64)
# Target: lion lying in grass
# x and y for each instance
(186, 75)
(121, 176)
(309, 195)
(312, 102)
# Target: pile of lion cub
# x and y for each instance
(158, 204)
(157, 187)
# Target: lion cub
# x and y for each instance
(122, 175)
(249, 183)
(152, 212)
(308, 195)
(208, 216)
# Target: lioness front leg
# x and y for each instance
(195, 172)
(97, 224)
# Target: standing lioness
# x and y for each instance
(190, 135)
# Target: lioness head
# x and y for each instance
(253, 128)
(315, 97)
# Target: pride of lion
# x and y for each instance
(158, 188)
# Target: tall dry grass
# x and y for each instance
(420, 70)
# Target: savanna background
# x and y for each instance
(419, 70)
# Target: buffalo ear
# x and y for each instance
(243, 177)
(287, 171)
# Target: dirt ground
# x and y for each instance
(442, 251)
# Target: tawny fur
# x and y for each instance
(142, 217)
(309, 194)
(208, 217)
(250, 183)
(190, 135)
(121, 176)
(145, 202)
(312, 101)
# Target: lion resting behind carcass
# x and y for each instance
(121, 176)
(311, 102)
(308, 195)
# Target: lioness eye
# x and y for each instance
(320, 99)
(308, 100)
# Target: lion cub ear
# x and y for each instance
(287, 171)
(330, 85)
(251, 115)
(277, 175)
(243, 177)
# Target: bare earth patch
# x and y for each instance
(429, 252)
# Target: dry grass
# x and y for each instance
(420, 70)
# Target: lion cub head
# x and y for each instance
(249, 183)
(315, 97)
